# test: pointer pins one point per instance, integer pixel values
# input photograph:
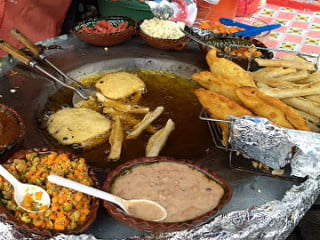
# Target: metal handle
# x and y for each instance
(26, 42)
(196, 39)
(16, 53)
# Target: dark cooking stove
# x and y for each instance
(27, 92)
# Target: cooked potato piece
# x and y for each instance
(158, 140)
(272, 108)
(228, 69)
(146, 121)
(116, 139)
(82, 126)
(117, 85)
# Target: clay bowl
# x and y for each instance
(28, 229)
(12, 130)
(149, 226)
(106, 31)
(165, 44)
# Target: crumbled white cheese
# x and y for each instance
(164, 29)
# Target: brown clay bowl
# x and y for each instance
(114, 31)
(165, 44)
(150, 226)
(12, 129)
(28, 229)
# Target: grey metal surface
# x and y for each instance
(27, 92)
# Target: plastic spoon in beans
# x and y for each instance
(40, 198)
(139, 208)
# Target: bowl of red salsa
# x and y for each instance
(106, 31)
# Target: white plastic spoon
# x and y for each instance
(22, 189)
(139, 208)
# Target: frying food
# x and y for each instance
(148, 119)
(272, 108)
(295, 62)
(117, 85)
(82, 126)
(220, 107)
(228, 69)
(293, 80)
(213, 82)
(158, 140)
(108, 103)
(293, 91)
(116, 139)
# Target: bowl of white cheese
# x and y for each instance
(163, 34)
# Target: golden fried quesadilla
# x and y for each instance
(271, 108)
(228, 69)
(220, 107)
(117, 85)
(82, 126)
(218, 84)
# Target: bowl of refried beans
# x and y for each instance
(190, 193)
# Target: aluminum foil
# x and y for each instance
(258, 139)
(272, 220)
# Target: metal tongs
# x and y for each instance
(38, 58)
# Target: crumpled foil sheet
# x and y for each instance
(256, 138)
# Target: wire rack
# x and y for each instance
(236, 160)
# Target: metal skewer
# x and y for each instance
(29, 61)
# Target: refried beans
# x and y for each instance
(183, 191)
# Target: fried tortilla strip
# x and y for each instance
(148, 118)
(263, 74)
(220, 107)
(120, 106)
(305, 65)
(314, 77)
(304, 105)
(271, 108)
(309, 117)
(313, 127)
(116, 139)
(158, 140)
(280, 84)
(313, 98)
(293, 77)
(228, 69)
(296, 91)
(218, 84)
(128, 119)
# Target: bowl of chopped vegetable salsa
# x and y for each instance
(70, 212)
(106, 31)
